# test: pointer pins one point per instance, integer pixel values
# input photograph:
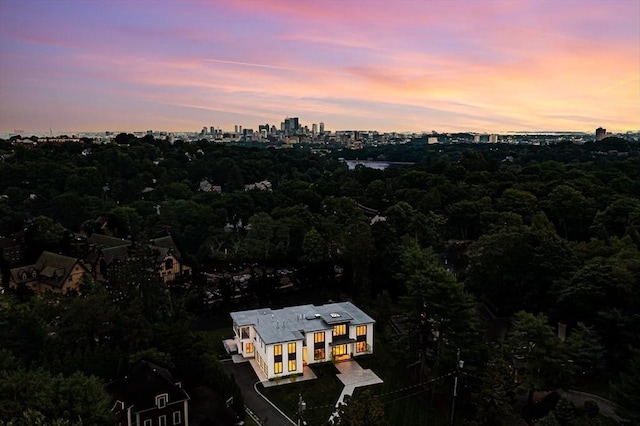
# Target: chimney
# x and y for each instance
(562, 330)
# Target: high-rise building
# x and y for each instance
(290, 125)
(212, 130)
(493, 138)
(314, 129)
(601, 133)
(321, 127)
(235, 129)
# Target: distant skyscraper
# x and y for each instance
(314, 128)
(493, 138)
(291, 125)
(236, 129)
(601, 133)
(212, 130)
(321, 127)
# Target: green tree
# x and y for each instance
(565, 412)
(266, 240)
(440, 308)
(585, 350)
(493, 398)
(626, 390)
(541, 357)
(57, 397)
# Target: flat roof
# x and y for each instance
(290, 324)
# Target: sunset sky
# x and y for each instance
(413, 65)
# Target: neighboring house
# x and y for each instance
(104, 250)
(10, 250)
(149, 396)
(264, 185)
(51, 273)
(172, 266)
(284, 340)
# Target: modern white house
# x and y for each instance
(284, 340)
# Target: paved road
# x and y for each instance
(607, 408)
(246, 379)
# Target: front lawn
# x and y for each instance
(320, 394)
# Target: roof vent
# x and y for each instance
(317, 315)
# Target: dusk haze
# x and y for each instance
(479, 66)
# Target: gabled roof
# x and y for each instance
(105, 241)
(165, 243)
(288, 324)
(50, 268)
(145, 381)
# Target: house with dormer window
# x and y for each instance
(283, 341)
(51, 273)
(149, 396)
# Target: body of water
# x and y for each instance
(378, 165)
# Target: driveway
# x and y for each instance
(246, 378)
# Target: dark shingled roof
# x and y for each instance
(166, 243)
(105, 241)
(52, 267)
(145, 381)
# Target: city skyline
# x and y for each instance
(481, 66)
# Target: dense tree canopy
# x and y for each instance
(544, 234)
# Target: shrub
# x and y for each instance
(591, 408)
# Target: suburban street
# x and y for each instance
(246, 379)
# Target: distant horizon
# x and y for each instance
(27, 134)
(475, 66)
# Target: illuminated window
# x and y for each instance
(339, 350)
(318, 337)
(292, 365)
(248, 347)
(277, 359)
(339, 330)
(291, 349)
(361, 346)
(319, 354)
(361, 330)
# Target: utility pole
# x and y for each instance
(459, 365)
(301, 407)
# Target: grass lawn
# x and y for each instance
(320, 394)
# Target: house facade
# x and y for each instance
(51, 273)
(105, 250)
(149, 396)
(282, 341)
